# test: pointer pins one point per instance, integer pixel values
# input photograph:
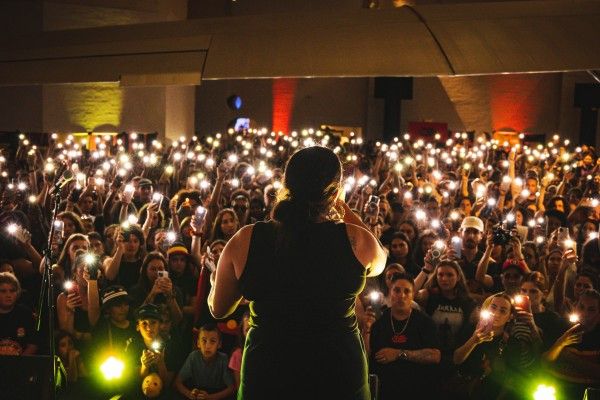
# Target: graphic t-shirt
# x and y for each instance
(16, 331)
(450, 317)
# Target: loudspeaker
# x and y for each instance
(394, 87)
(26, 377)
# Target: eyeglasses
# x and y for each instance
(583, 285)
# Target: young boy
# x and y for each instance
(17, 332)
(205, 375)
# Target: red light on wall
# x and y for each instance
(284, 91)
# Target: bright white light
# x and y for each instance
(544, 392)
(112, 368)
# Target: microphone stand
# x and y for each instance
(46, 297)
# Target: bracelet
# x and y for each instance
(426, 271)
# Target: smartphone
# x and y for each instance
(486, 321)
(563, 234)
(374, 303)
(457, 246)
(71, 287)
(521, 302)
(59, 228)
(200, 214)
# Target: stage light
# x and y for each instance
(544, 392)
(112, 368)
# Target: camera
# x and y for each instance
(162, 274)
(501, 236)
(372, 208)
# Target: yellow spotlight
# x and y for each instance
(112, 368)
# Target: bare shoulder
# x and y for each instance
(366, 249)
(362, 242)
(237, 249)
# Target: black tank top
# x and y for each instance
(307, 286)
(304, 340)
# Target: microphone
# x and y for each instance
(64, 179)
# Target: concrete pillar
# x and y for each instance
(180, 102)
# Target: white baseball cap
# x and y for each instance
(472, 222)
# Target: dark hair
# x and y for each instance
(591, 294)
(461, 290)
(143, 279)
(403, 276)
(94, 236)
(589, 273)
(216, 232)
(538, 279)
(74, 218)
(311, 183)
(63, 259)
(136, 230)
(210, 327)
(553, 213)
(404, 238)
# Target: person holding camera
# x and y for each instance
(124, 266)
(155, 286)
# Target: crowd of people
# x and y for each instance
(490, 285)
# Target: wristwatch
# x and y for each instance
(403, 355)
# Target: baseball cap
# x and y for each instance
(144, 182)
(148, 311)
(472, 222)
(113, 295)
(519, 265)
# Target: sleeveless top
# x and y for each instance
(304, 336)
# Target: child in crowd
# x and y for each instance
(17, 333)
(205, 375)
(70, 357)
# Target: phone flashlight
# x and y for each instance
(574, 318)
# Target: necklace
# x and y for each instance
(405, 324)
